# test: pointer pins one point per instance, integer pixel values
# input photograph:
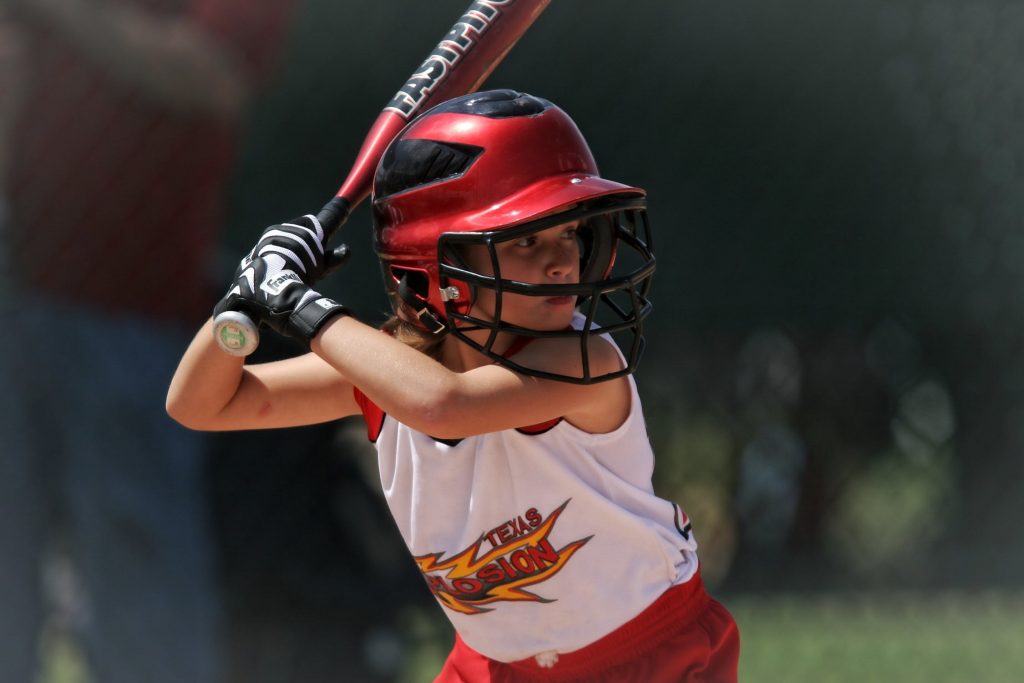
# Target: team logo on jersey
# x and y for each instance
(521, 555)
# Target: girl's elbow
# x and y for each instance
(181, 412)
(178, 414)
(439, 415)
(172, 405)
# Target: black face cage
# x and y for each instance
(616, 267)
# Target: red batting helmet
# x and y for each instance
(493, 166)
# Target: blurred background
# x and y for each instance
(834, 379)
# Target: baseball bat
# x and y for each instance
(460, 63)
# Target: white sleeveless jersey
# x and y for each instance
(534, 540)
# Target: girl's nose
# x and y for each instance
(560, 261)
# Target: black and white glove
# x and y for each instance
(301, 242)
(274, 295)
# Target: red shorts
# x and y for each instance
(685, 636)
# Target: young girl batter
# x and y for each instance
(512, 447)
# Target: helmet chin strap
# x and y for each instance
(419, 306)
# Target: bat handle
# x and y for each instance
(235, 332)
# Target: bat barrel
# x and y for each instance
(467, 54)
(461, 62)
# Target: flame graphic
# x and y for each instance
(466, 565)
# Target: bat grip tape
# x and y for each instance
(334, 214)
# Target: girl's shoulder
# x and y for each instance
(600, 407)
(569, 355)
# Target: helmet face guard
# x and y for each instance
(616, 266)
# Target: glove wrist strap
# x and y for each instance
(308, 319)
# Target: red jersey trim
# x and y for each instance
(534, 430)
(373, 414)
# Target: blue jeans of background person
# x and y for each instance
(88, 456)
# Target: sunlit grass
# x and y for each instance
(898, 638)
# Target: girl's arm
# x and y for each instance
(424, 394)
(213, 391)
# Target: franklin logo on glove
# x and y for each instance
(275, 285)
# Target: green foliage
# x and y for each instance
(888, 515)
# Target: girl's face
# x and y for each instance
(549, 257)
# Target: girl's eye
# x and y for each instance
(527, 241)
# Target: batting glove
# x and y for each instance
(274, 295)
(301, 242)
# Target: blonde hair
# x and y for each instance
(415, 337)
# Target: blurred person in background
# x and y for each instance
(119, 121)
(13, 71)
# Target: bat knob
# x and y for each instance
(236, 333)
